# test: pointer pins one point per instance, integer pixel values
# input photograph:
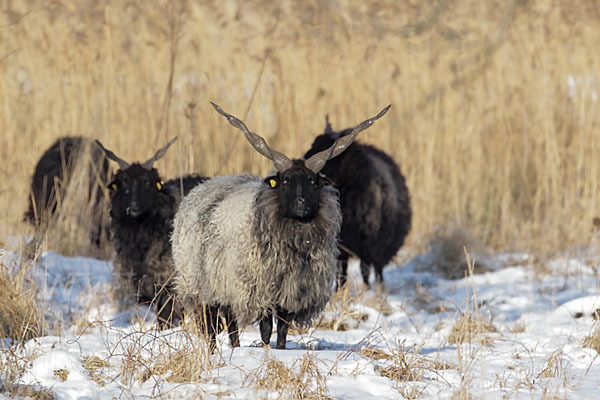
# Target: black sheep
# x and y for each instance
(51, 178)
(375, 203)
(142, 211)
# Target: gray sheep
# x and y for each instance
(256, 246)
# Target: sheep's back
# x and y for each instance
(388, 221)
(231, 247)
(375, 202)
(56, 166)
(211, 239)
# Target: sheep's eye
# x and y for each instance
(159, 185)
(312, 181)
(272, 183)
(285, 181)
(114, 186)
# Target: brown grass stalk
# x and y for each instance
(495, 104)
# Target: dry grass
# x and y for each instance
(12, 367)
(62, 374)
(76, 221)
(555, 366)
(302, 380)
(494, 114)
(470, 327)
(28, 392)
(401, 364)
(20, 316)
(593, 341)
(470, 324)
(94, 366)
(340, 313)
(375, 353)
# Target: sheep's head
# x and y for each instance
(298, 191)
(299, 182)
(136, 189)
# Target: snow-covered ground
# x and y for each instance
(533, 318)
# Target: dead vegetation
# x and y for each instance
(94, 365)
(406, 367)
(471, 324)
(20, 316)
(340, 313)
(479, 147)
(470, 327)
(302, 380)
(593, 341)
(496, 133)
(12, 367)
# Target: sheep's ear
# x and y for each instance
(113, 186)
(272, 181)
(328, 128)
(325, 181)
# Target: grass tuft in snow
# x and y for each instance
(341, 313)
(469, 327)
(302, 380)
(470, 324)
(20, 318)
(593, 341)
(94, 365)
(12, 367)
(186, 359)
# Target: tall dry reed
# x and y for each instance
(494, 118)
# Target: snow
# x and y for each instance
(540, 314)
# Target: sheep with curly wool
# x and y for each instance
(259, 247)
(375, 203)
(142, 211)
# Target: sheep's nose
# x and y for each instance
(301, 208)
(134, 209)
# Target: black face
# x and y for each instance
(298, 190)
(135, 192)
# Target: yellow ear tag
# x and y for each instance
(114, 187)
(159, 185)
(272, 182)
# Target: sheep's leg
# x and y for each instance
(266, 327)
(164, 306)
(379, 278)
(167, 309)
(208, 318)
(364, 270)
(213, 326)
(232, 329)
(283, 323)
(342, 273)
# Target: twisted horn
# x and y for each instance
(317, 161)
(158, 155)
(122, 163)
(281, 161)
